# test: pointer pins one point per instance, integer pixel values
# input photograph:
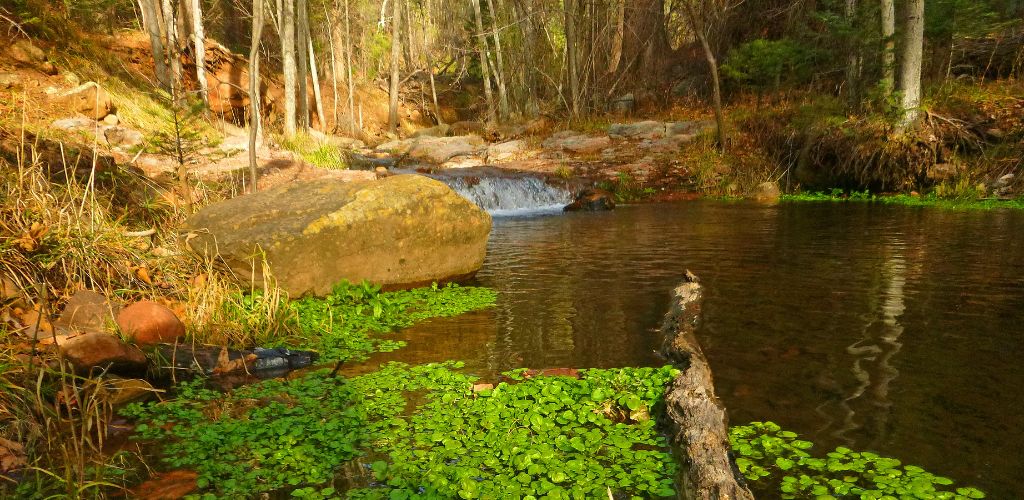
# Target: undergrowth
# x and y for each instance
(322, 154)
(318, 436)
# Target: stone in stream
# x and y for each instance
(102, 351)
(592, 200)
(402, 231)
(767, 192)
(437, 149)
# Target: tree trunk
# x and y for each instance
(173, 55)
(302, 33)
(430, 65)
(572, 65)
(697, 418)
(410, 61)
(200, 48)
(286, 18)
(332, 36)
(317, 97)
(910, 71)
(396, 54)
(852, 61)
(254, 91)
(620, 31)
(348, 69)
(484, 68)
(499, 70)
(151, 21)
(888, 47)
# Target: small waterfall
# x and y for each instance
(510, 196)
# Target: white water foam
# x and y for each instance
(512, 196)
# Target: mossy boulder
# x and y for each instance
(400, 232)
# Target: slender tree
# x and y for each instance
(171, 44)
(348, 69)
(199, 44)
(910, 64)
(302, 34)
(396, 54)
(703, 20)
(286, 18)
(317, 96)
(499, 68)
(254, 90)
(151, 21)
(481, 43)
(888, 10)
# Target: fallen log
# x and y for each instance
(203, 360)
(697, 420)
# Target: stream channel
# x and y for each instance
(884, 328)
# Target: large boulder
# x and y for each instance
(399, 232)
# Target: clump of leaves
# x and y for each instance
(546, 436)
(766, 452)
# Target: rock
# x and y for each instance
(111, 120)
(381, 171)
(767, 192)
(167, 485)
(72, 79)
(73, 123)
(641, 130)
(624, 105)
(86, 311)
(122, 137)
(592, 200)
(9, 80)
(148, 323)
(97, 350)
(574, 142)
(436, 131)
(464, 162)
(688, 128)
(89, 99)
(506, 150)
(400, 232)
(1003, 185)
(437, 149)
(26, 53)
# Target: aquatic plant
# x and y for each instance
(929, 200)
(342, 325)
(766, 452)
(555, 436)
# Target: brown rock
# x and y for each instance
(167, 486)
(89, 99)
(400, 231)
(121, 391)
(86, 311)
(148, 323)
(102, 351)
(592, 200)
(27, 54)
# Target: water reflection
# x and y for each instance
(887, 328)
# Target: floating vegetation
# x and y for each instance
(553, 437)
(766, 452)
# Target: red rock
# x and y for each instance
(86, 311)
(148, 323)
(103, 351)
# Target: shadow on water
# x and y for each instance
(877, 327)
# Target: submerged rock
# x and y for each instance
(592, 200)
(399, 232)
(767, 192)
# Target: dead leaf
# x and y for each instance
(142, 272)
(12, 455)
(167, 486)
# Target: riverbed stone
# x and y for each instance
(148, 323)
(402, 231)
(592, 200)
(767, 192)
(505, 151)
(575, 142)
(437, 149)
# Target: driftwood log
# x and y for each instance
(697, 419)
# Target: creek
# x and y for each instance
(883, 328)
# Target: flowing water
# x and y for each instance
(893, 329)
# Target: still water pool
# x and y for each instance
(892, 329)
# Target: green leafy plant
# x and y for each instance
(766, 452)
(557, 437)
